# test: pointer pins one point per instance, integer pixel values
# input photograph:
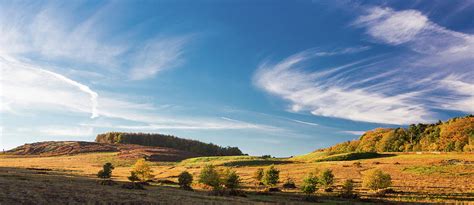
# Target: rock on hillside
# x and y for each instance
(127, 151)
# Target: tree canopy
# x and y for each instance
(456, 134)
(169, 141)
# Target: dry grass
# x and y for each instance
(416, 177)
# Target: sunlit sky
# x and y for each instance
(270, 77)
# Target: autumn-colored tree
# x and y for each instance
(376, 179)
(142, 170)
(453, 135)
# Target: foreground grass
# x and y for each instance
(416, 177)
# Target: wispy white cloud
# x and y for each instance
(29, 86)
(411, 28)
(304, 122)
(156, 56)
(450, 52)
(153, 123)
(401, 88)
(393, 27)
(463, 92)
(349, 50)
(67, 131)
(52, 34)
(317, 93)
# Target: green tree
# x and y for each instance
(310, 184)
(185, 179)
(210, 177)
(326, 178)
(231, 180)
(271, 176)
(106, 171)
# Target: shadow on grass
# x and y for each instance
(256, 162)
(354, 156)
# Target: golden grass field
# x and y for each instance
(72, 179)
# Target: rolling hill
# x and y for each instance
(125, 151)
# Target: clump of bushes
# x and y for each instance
(228, 179)
(326, 179)
(271, 176)
(210, 177)
(231, 181)
(185, 179)
(310, 185)
(348, 189)
(376, 180)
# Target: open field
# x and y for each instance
(416, 178)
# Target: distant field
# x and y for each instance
(416, 177)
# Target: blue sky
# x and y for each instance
(271, 77)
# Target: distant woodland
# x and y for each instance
(456, 134)
(160, 140)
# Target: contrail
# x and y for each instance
(82, 87)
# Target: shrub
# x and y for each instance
(271, 176)
(185, 179)
(106, 171)
(348, 188)
(289, 184)
(310, 184)
(142, 170)
(326, 178)
(376, 179)
(231, 180)
(210, 177)
(258, 175)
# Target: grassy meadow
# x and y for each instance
(72, 179)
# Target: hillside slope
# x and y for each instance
(456, 134)
(128, 151)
